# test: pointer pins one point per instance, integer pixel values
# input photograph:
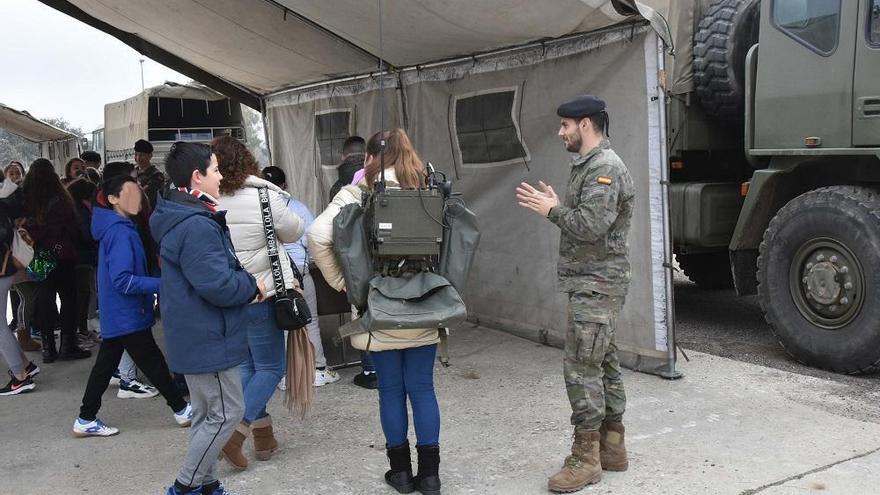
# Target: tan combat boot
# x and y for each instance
(612, 449)
(232, 450)
(26, 342)
(581, 468)
(264, 439)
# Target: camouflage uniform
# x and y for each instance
(594, 270)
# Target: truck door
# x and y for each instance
(803, 88)
(866, 85)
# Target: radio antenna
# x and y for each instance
(381, 187)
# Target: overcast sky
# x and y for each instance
(53, 65)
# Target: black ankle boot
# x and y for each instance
(428, 479)
(400, 476)
(49, 355)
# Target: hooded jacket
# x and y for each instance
(205, 289)
(125, 289)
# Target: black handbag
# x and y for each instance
(291, 310)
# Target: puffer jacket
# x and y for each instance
(320, 236)
(245, 221)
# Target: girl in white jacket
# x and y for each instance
(261, 373)
(404, 359)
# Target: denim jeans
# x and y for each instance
(408, 373)
(264, 367)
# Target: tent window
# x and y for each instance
(485, 129)
(813, 23)
(874, 23)
(331, 130)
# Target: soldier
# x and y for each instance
(594, 271)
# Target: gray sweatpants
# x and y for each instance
(218, 405)
(9, 348)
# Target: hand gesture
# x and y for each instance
(541, 201)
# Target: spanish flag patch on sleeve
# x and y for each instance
(604, 180)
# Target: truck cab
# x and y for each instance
(795, 218)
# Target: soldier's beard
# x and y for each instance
(573, 143)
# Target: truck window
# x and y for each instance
(813, 23)
(485, 129)
(874, 23)
(332, 128)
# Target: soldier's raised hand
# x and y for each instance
(541, 201)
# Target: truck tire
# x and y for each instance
(819, 278)
(726, 32)
(710, 271)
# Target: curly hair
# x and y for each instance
(235, 161)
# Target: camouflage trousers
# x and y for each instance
(591, 367)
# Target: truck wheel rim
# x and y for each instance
(827, 283)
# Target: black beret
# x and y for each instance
(580, 107)
(143, 146)
(90, 156)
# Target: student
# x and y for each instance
(299, 254)
(404, 359)
(205, 293)
(125, 291)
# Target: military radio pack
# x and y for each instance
(405, 255)
(407, 224)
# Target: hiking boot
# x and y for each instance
(366, 380)
(232, 450)
(400, 475)
(612, 449)
(16, 386)
(581, 468)
(428, 479)
(27, 343)
(264, 438)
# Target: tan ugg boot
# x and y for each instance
(232, 451)
(612, 449)
(26, 342)
(264, 439)
(582, 467)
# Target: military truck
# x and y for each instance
(775, 170)
(164, 114)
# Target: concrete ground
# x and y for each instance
(727, 427)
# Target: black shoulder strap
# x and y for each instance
(272, 242)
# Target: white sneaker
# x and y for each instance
(135, 390)
(323, 377)
(184, 417)
(282, 385)
(94, 428)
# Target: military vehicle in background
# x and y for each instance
(165, 114)
(775, 170)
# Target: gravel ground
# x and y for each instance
(724, 324)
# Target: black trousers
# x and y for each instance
(146, 355)
(61, 281)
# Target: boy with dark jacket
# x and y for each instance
(126, 295)
(205, 291)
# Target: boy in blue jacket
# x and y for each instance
(126, 295)
(205, 291)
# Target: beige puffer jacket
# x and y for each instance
(321, 249)
(245, 223)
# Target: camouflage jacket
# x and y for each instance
(594, 220)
